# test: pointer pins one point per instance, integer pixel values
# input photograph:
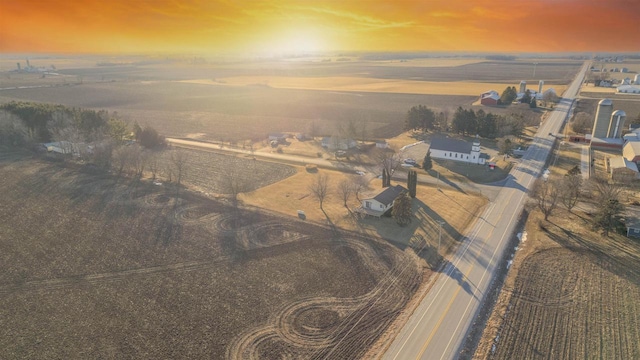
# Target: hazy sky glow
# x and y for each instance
(223, 26)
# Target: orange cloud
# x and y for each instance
(286, 25)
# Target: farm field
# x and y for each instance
(208, 172)
(570, 292)
(361, 84)
(153, 274)
(150, 92)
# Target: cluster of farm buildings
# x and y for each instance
(624, 86)
(492, 97)
(607, 135)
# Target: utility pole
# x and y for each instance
(440, 222)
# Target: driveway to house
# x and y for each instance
(439, 326)
(488, 190)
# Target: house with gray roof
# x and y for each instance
(382, 202)
(457, 150)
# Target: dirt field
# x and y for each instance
(360, 84)
(570, 293)
(129, 270)
(148, 91)
(206, 171)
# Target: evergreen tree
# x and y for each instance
(427, 163)
(412, 183)
(402, 211)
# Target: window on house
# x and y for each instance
(456, 155)
(367, 204)
(381, 206)
(467, 157)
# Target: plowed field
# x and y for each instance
(95, 267)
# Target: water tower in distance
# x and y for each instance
(603, 117)
(616, 124)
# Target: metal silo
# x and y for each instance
(603, 117)
(616, 124)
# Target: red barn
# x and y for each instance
(490, 98)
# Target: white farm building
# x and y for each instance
(457, 150)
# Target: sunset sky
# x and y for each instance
(228, 26)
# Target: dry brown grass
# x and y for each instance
(458, 210)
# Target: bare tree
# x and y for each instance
(358, 184)
(569, 188)
(234, 182)
(362, 129)
(320, 189)
(545, 193)
(582, 122)
(120, 159)
(153, 163)
(13, 132)
(179, 164)
(388, 159)
(345, 190)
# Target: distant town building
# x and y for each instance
(628, 89)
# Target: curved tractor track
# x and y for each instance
(330, 327)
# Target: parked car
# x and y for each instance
(410, 161)
(361, 173)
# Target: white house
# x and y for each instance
(379, 204)
(457, 150)
(279, 137)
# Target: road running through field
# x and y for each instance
(438, 327)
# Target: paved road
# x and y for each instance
(439, 326)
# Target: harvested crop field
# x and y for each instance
(376, 92)
(99, 268)
(570, 294)
(211, 172)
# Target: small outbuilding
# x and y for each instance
(632, 221)
(631, 151)
(622, 170)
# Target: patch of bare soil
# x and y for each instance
(100, 267)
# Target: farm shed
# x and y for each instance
(457, 150)
(279, 137)
(606, 144)
(379, 204)
(489, 98)
(632, 221)
(631, 151)
(623, 170)
(628, 89)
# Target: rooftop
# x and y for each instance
(448, 144)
